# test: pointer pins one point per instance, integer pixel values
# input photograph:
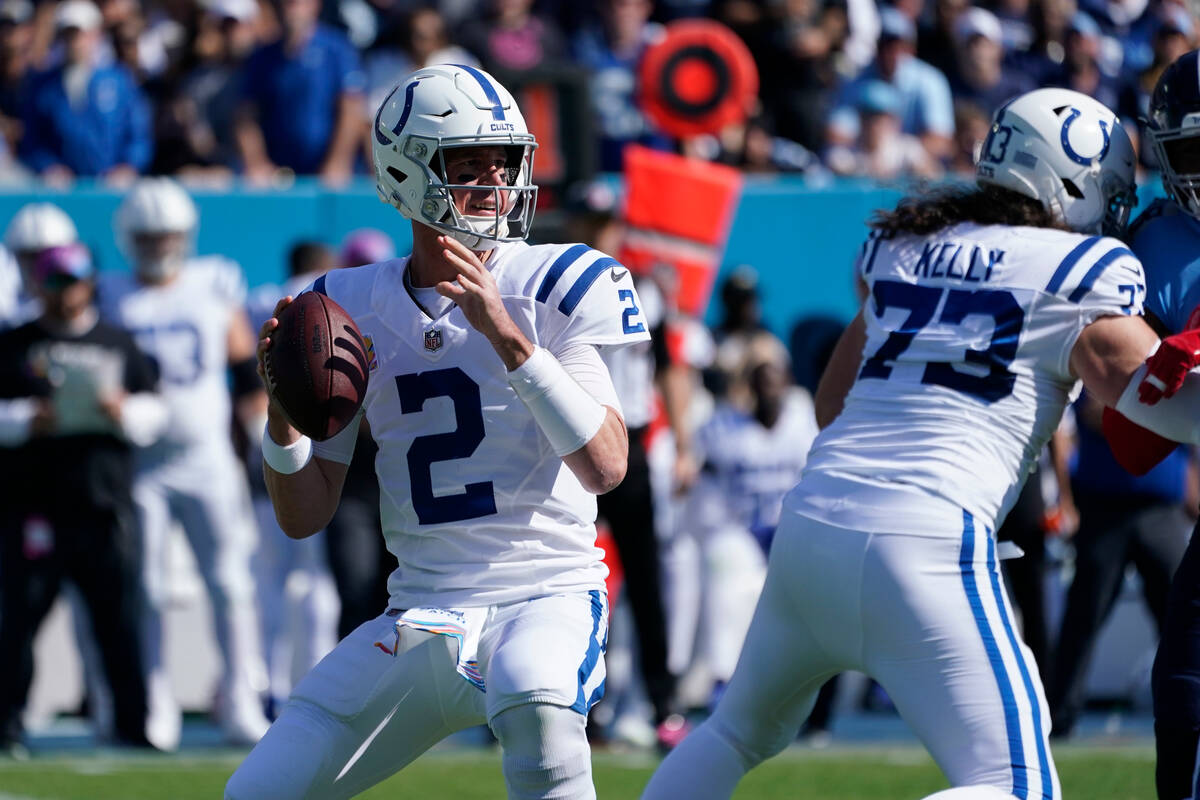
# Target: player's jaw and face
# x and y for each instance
(158, 256)
(485, 166)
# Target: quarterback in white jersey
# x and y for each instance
(188, 315)
(497, 423)
(983, 315)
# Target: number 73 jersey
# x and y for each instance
(966, 368)
(475, 505)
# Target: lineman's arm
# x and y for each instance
(1109, 356)
(304, 500)
(841, 372)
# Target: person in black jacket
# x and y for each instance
(75, 395)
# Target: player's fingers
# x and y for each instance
(283, 303)
(267, 328)
(450, 289)
(463, 265)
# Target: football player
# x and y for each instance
(987, 306)
(497, 425)
(751, 459)
(35, 228)
(188, 314)
(1166, 238)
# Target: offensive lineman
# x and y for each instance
(497, 423)
(187, 313)
(985, 314)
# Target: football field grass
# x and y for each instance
(885, 773)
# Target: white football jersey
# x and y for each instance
(476, 507)
(749, 468)
(184, 326)
(965, 372)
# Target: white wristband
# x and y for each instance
(563, 409)
(286, 460)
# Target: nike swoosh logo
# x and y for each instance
(616, 276)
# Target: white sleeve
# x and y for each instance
(583, 363)
(16, 417)
(144, 417)
(340, 448)
(1172, 417)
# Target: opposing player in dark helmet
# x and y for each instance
(1166, 237)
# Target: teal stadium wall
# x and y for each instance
(801, 238)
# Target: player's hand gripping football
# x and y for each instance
(281, 429)
(1169, 366)
(475, 292)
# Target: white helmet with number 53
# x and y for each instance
(443, 107)
(1066, 150)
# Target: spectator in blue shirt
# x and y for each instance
(83, 117)
(610, 52)
(981, 77)
(302, 100)
(925, 108)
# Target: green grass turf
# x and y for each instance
(902, 773)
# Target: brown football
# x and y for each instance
(317, 366)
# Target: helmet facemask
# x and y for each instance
(1178, 153)
(512, 203)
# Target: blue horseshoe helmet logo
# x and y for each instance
(1066, 142)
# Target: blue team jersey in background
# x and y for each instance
(297, 95)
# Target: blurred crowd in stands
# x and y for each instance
(269, 89)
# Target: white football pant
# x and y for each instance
(926, 616)
(205, 490)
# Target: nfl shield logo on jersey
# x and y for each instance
(433, 340)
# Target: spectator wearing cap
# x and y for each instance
(16, 41)
(76, 396)
(883, 151)
(83, 117)
(1174, 36)
(923, 107)
(1043, 59)
(981, 78)
(302, 100)
(194, 126)
(1081, 69)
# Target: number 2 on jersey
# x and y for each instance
(922, 302)
(478, 499)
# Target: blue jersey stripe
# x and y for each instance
(560, 265)
(1089, 280)
(584, 282)
(319, 286)
(1068, 263)
(1012, 719)
(1026, 680)
(592, 656)
(488, 90)
(873, 243)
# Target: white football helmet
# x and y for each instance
(156, 206)
(443, 107)
(38, 226)
(1067, 151)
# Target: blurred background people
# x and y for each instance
(84, 117)
(188, 313)
(302, 100)
(77, 396)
